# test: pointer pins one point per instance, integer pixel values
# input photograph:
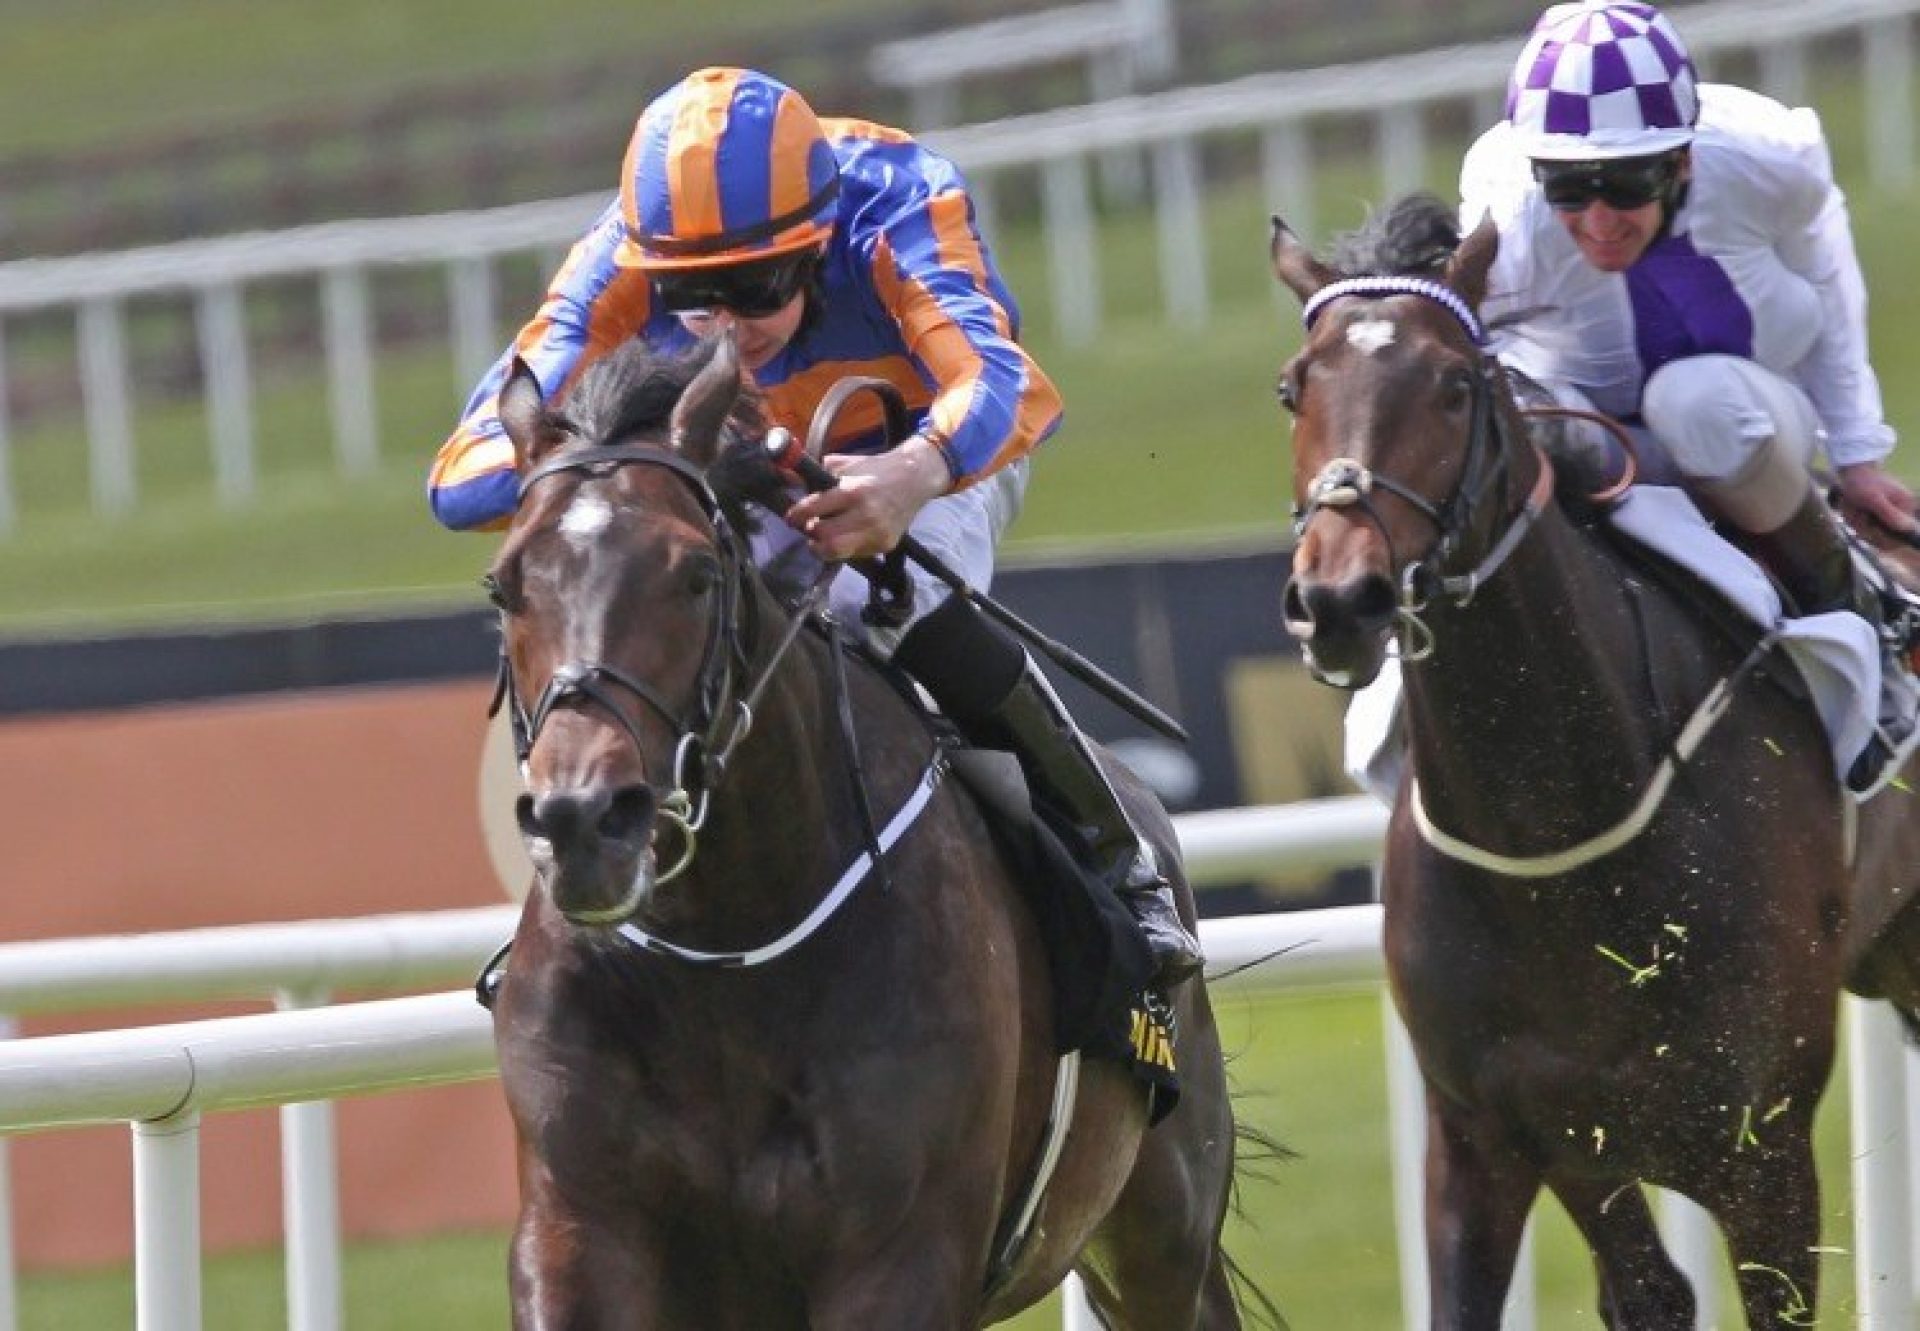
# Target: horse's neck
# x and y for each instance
(1538, 687)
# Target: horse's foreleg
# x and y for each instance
(1640, 1287)
(1478, 1196)
(1768, 1204)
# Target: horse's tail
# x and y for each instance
(1256, 1154)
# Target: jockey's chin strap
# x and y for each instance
(704, 744)
(1345, 481)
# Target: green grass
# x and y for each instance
(1318, 1231)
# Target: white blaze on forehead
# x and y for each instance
(1369, 335)
(586, 517)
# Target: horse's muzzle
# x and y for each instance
(1342, 627)
(593, 849)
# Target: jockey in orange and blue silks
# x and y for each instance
(835, 248)
(734, 200)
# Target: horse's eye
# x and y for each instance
(1456, 389)
(1284, 390)
(703, 577)
(496, 593)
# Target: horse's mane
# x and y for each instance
(1411, 237)
(632, 391)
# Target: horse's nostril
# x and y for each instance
(1374, 602)
(628, 814)
(560, 816)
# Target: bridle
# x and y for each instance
(1346, 482)
(721, 714)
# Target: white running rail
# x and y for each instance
(162, 1079)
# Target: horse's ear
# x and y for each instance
(708, 401)
(1467, 270)
(1294, 264)
(522, 413)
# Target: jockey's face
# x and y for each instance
(1612, 239)
(757, 340)
(763, 301)
(1613, 210)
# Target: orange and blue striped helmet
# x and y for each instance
(726, 167)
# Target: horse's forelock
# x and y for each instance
(628, 393)
(632, 392)
(1413, 237)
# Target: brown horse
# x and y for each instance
(1616, 919)
(757, 1084)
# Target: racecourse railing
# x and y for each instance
(344, 260)
(160, 1080)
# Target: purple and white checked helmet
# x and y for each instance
(1600, 79)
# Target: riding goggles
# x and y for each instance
(1623, 184)
(749, 290)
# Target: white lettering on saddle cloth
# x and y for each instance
(1837, 653)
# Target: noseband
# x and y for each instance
(705, 741)
(1346, 482)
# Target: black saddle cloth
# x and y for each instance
(1095, 951)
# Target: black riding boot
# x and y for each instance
(1809, 555)
(988, 685)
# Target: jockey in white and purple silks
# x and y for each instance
(1677, 255)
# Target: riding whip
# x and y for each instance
(787, 453)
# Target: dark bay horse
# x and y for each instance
(757, 1085)
(1618, 912)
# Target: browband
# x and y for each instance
(1396, 286)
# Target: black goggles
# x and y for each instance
(750, 290)
(1623, 184)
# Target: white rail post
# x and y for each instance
(1183, 231)
(107, 402)
(1076, 1313)
(1403, 149)
(310, 1199)
(220, 319)
(1783, 72)
(166, 1223)
(9, 1277)
(475, 343)
(1073, 258)
(1889, 59)
(1407, 1125)
(1694, 1240)
(1910, 1063)
(1522, 1310)
(9, 510)
(347, 324)
(1882, 1227)
(1286, 173)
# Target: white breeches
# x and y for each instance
(962, 529)
(1740, 436)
